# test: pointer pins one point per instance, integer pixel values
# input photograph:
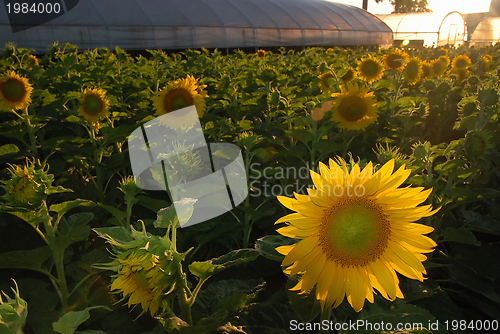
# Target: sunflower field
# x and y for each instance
(373, 200)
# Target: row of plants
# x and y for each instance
(79, 234)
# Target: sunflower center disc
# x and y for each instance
(354, 232)
(13, 90)
(352, 108)
(93, 105)
(371, 68)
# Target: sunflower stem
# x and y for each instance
(325, 315)
(248, 226)
(185, 307)
(31, 132)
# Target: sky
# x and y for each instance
(462, 6)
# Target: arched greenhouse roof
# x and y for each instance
(179, 24)
(487, 32)
(434, 29)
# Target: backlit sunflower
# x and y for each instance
(138, 280)
(396, 59)
(94, 104)
(439, 66)
(324, 85)
(461, 74)
(261, 53)
(485, 63)
(370, 69)
(413, 71)
(357, 229)
(348, 76)
(442, 52)
(427, 70)
(15, 92)
(461, 62)
(354, 108)
(32, 61)
(180, 94)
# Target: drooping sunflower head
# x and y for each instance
(261, 53)
(326, 79)
(413, 71)
(461, 75)
(136, 279)
(357, 230)
(396, 59)
(349, 76)
(354, 108)
(180, 94)
(461, 62)
(370, 69)
(15, 92)
(94, 104)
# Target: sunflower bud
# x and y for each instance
(444, 87)
(13, 312)
(473, 80)
(429, 84)
(129, 187)
(28, 186)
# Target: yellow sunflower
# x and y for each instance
(324, 85)
(427, 70)
(439, 66)
(261, 53)
(138, 280)
(94, 104)
(348, 76)
(461, 62)
(370, 69)
(15, 92)
(442, 52)
(180, 94)
(357, 229)
(32, 61)
(354, 108)
(413, 71)
(396, 59)
(485, 63)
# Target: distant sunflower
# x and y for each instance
(180, 94)
(442, 52)
(439, 67)
(396, 59)
(485, 63)
(324, 85)
(413, 71)
(15, 92)
(354, 108)
(32, 61)
(427, 70)
(261, 53)
(357, 230)
(370, 69)
(461, 74)
(94, 104)
(461, 62)
(348, 76)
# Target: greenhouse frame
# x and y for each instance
(487, 32)
(182, 24)
(427, 29)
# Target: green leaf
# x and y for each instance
(170, 216)
(236, 257)
(68, 323)
(153, 204)
(303, 135)
(73, 229)
(25, 259)
(305, 305)
(8, 149)
(460, 235)
(449, 166)
(480, 223)
(62, 208)
(120, 215)
(204, 270)
(118, 236)
(266, 246)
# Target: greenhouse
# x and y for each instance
(487, 32)
(427, 29)
(170, 24)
